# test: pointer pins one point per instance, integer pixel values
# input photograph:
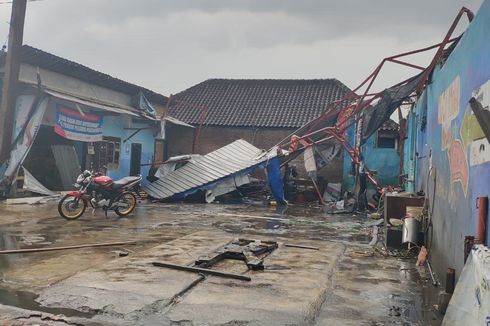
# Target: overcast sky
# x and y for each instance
(170, 45)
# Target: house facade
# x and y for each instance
(446, 153)
(69, 117)
(260, 111)
(381, 153)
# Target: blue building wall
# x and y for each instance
(385, 161)
(113, 127)
(450, 124)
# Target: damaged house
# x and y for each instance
(69, 117)
(259, 111)
(381, 153)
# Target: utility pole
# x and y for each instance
(11, 77)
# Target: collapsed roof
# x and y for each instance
(206, 172)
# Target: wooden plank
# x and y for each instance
(31, 250)
(202, 271)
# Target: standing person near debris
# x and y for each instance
(151, 173)
(361, 195)
(289, 183)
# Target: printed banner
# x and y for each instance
(470, 303)
(29, 112)
(71, 124)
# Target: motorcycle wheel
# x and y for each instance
(128, 198)
(71, 207)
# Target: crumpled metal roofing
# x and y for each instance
(204, 172)
(92, 104)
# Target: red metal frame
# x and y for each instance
(204, 115)
(364, 100)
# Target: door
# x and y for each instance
(159, 150)
(67, 163)
(135, 164)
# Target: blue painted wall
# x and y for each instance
(113, 127)
(457, 184)
(385, 161)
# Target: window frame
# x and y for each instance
(387, 134)
(108, 152)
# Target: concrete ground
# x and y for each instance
(342, 283)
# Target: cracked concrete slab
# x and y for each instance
(130, 291)
(289, 291)
(13, 316)
(126, 285)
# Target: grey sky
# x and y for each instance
(170, 45)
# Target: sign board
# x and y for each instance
(71, 124)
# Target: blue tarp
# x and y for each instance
(275, 180)
(142, 103)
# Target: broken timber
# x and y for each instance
(202, 271)
(31, 250)
(300, 246)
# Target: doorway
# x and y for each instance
(135, 164)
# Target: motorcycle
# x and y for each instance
(99, 191)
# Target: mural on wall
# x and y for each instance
(472, 144)
(458, 164)
(448, 109)
(471, 132)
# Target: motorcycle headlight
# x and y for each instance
(77, 185)
(80, 178)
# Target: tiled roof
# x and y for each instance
(48, 61)
(273, 103)
(390, 125)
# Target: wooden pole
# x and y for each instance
(11, 78)
(31, 250)
(300, 246)
(201, 271)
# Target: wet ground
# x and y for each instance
(342, 283)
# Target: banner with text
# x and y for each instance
(71, 124)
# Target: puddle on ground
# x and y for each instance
(27, 300)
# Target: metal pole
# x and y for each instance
(12, 67)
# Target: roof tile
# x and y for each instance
(278, 103)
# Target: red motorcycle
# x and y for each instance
(99, 191)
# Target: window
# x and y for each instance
(387, 139)
(107, 153)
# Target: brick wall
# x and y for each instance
(178, 140)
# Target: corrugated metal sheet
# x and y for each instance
(67, 163)
(239, 157)
(91, 103)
